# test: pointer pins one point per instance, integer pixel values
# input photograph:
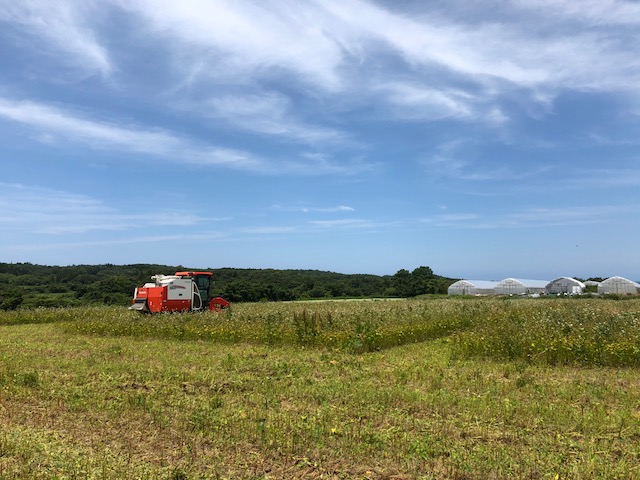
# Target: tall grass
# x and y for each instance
(590, 332)
(352, 326)
(551, 331)
(47, 315)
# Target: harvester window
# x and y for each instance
(203, 282)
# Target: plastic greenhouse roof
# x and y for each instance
(619, 280)
(480, 283)
(528, 283)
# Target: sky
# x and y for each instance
(484, 139)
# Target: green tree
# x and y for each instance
(10, 299)
(402, 283)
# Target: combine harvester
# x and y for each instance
(182, 292)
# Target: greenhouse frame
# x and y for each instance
(619, 286)
(472, 287)
(565, 286)
(519, 286)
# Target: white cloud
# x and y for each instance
(427, 103)
(460, 217)
(339, 208)
(314, 163)
(49, 121)
(54, 120)
(435, 41)
(457, 160)
(593, 12)
(103, 135)
(591, 180)
(63, 27)
(542, 217)
(248, 37)
(225, 157)
(343, 223)
(33, 209)
(568, 215)
(502, 51)
(269, 230)
(268, 114)
(496, 116)
(137, 240)
(453, 64)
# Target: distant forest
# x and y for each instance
(24, 285)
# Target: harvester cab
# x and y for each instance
(182, 292)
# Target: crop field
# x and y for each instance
(458, 388)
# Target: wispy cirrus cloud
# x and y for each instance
(455, 160)
(349, 223)
(459, 218)
(446, 64)
(339, 208)
(591, 12)
(537, 217)
(66, 28)
(54, 120)
(497, 52)
(570, 215)
(592, 182)
(50, 122)
(269, 230)
(66, 244)
(268, 114)
(41, 210)
(414, 101)
(304, 209)
(248, 37)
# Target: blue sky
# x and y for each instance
(483, 139)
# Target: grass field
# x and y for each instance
(433, 388)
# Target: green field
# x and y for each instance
(433, 388)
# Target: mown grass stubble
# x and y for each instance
(171, 406)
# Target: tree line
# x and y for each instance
(25, 285)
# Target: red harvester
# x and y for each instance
(182, 292)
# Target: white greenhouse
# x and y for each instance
(472, 287)
(618, 285)
(566, 286)
(519, 286)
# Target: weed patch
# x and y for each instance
(590, 332)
